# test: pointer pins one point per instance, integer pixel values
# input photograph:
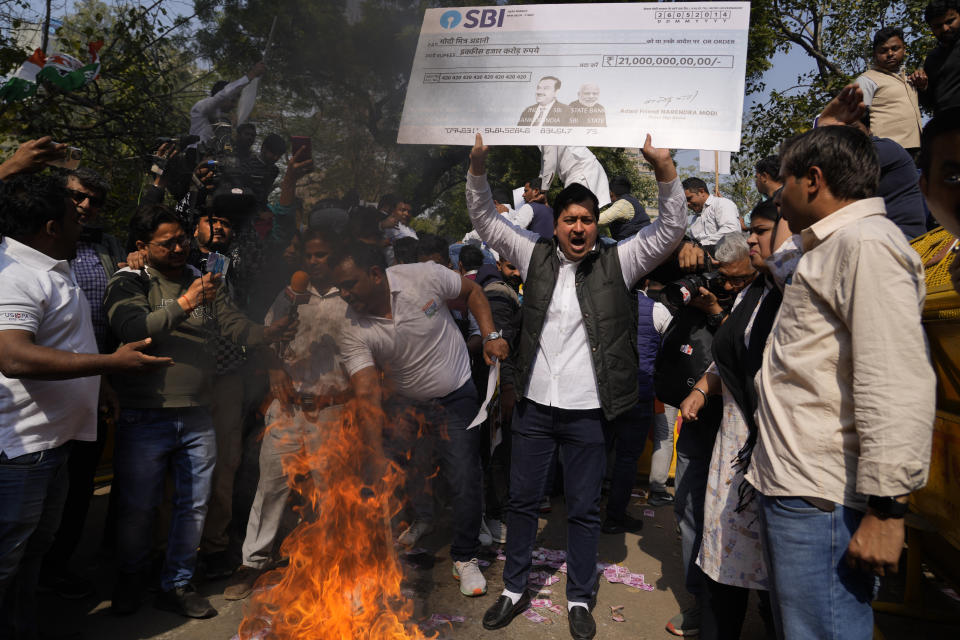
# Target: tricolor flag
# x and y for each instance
(59, 69)
(23, 83)
(69, 74)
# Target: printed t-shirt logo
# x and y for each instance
(430, 309)
(14, 316)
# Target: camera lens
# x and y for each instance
(681, 292)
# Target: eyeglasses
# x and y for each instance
(172, 243)
(80, 196)
(735, 280)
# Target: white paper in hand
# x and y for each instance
(248, 98)
(492, 380)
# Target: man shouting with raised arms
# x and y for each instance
(576, 364)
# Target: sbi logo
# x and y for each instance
(475, 18)
(450, 19)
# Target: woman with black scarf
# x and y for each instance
(731, 555)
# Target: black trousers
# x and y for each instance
(537, 432)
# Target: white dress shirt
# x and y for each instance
(574, 164)
(718, 218)
(40, 294)
(312, 358)
(563, 358)
(203, 111)
(399, 231)
(420, 349)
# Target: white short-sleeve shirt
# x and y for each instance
(39, 294)
(420, 348)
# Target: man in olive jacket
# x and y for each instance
(164, 418)
(576, 365)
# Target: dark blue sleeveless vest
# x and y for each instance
(542, 222)
(648, 345)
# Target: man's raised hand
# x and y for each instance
(31, 156)
(257, 70)
(478, 157)
(846, 108)
(299, 164)
(660, 160)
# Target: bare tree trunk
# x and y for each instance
(46, 29)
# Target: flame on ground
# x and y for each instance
(343, 579)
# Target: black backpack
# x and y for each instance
(685, 354)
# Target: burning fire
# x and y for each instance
(343, 579)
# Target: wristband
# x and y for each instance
(703, 393)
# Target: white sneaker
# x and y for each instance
(472, 582)
(414, 532)
(485, 537)
(498, 530)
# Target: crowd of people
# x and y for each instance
(779, 336)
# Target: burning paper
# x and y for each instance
(343, 579)
(439, 619)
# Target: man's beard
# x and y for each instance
(514, 282)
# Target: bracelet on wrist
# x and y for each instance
(703, 393)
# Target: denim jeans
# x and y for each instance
(446, 437)
(148, 442)
(33, 489)
(537, 432)
(815, 593)
(694, 450)
(629, 433)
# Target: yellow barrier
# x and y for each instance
(933, 529)
(939, 501)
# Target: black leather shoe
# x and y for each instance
(503, 611)
(621, 526)
(582, 626)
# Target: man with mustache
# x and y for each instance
(576, 365)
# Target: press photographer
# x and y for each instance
(700, 303)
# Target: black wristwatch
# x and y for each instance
(716, 319)
(887, 507)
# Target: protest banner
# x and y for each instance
(595, 74)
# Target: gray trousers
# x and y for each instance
(663, 428)
(289, 436)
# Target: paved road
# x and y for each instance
(654, 552)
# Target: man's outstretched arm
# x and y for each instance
(510, 241)
(641, 253)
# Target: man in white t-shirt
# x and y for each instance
(50, 371)
(398, 323)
